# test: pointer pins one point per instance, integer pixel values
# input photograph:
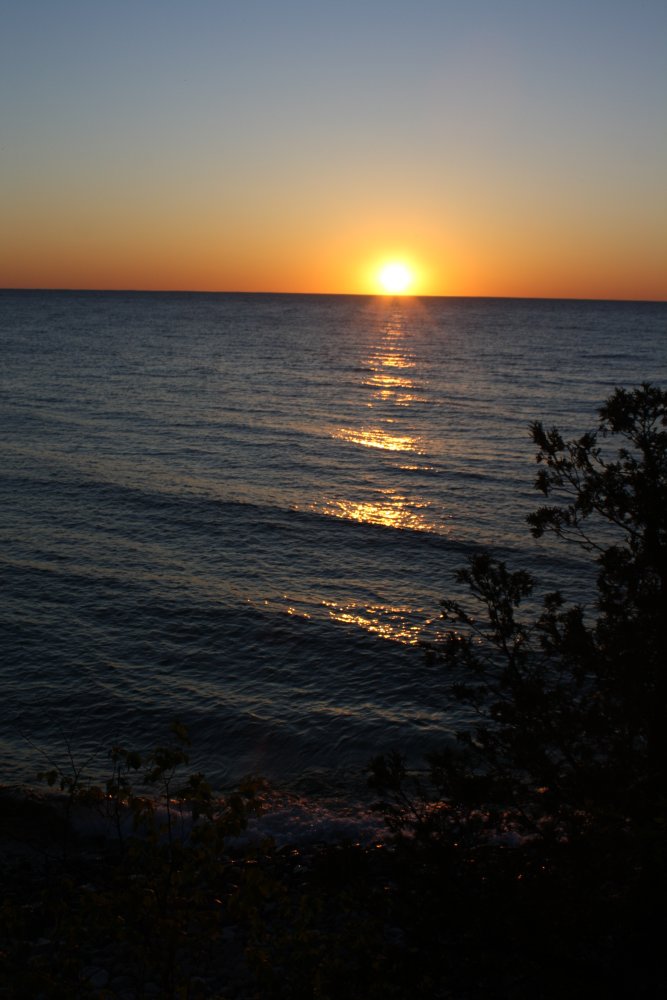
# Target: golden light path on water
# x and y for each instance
(391, 379)
(391, 360)
(376, 437)
(398, 390)
(392, 389)
(394, 511)
(387, 386)
(387, 622)
(407, 625)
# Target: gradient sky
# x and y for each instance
(500, 147)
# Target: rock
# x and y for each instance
(96, 976)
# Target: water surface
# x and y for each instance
(243, 510)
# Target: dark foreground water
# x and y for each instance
(243, 510)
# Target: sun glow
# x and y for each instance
(395, 278)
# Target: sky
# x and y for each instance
(494, 147)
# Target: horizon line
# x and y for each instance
(360, 295)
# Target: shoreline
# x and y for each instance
(249, 921)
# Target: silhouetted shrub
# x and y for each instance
(571, 713)
(551, 809)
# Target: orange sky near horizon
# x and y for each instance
(191, 261)
(103, 248)
(232, 153)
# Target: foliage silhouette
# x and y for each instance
(550, 812)
(571, 730)
(148, 907)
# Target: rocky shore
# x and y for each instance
(84, 917)
(81, 918)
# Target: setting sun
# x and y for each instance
(395, 278)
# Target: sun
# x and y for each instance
(395, 278)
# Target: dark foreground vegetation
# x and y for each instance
(527, 861)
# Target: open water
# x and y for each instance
(243, 510)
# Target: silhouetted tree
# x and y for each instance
(571, 713)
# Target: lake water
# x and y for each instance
(243, 510)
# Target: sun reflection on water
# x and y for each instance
(391, 360)
(376, 437)
(389, 382)
(393, 388)
(391, 511)
(398, 623)
(395, 623)
(390, 379)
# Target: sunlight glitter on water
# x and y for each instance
(397, 390)
(376, 437)
(391, 360)
(386, 622)
(392, 511)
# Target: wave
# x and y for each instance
(186, 533)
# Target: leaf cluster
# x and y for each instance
(153, 905)
(570, 733)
